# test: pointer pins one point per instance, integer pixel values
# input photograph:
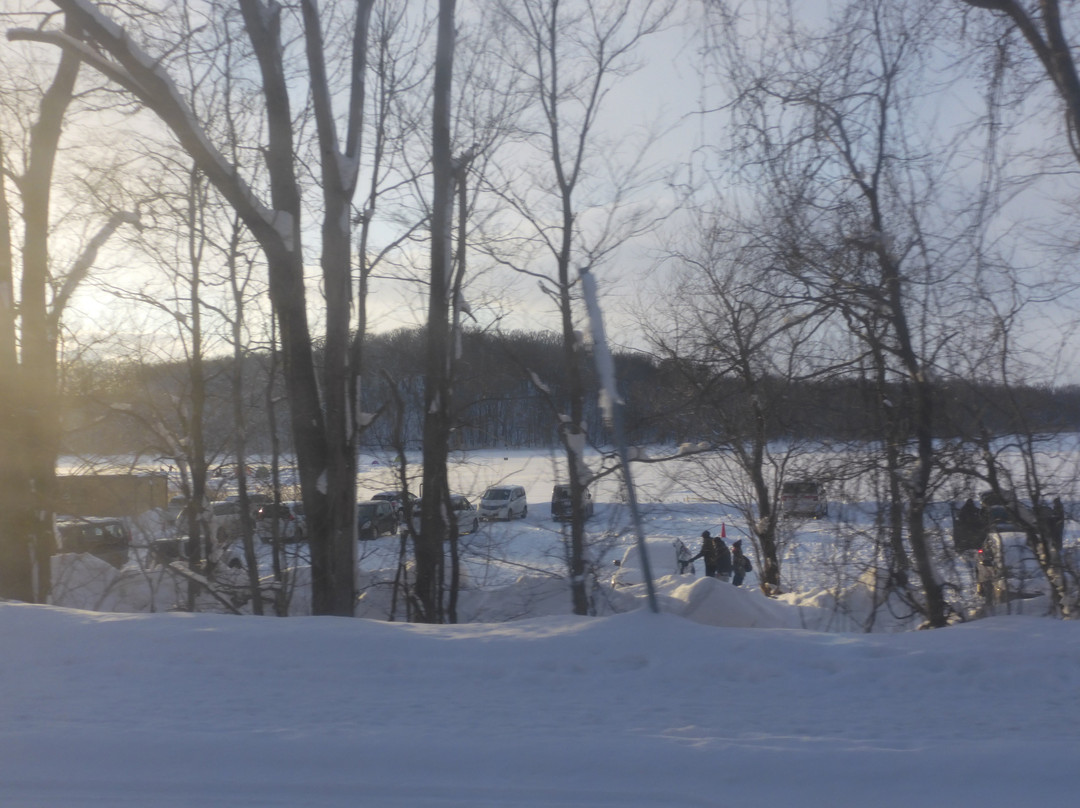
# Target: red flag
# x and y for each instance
(723, 531)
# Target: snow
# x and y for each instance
(539, 384)
(634, 709)
(726, 698)
(605, 365)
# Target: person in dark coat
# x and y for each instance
(1057, 525)
(708, 553)
(968, 527)
(740, 564)
(723, 560)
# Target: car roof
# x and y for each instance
(1010, 534)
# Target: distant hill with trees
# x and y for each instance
(124, 407)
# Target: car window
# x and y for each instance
(114, 530)
(497, 494)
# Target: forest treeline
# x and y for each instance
(132, 408)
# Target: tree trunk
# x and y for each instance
(15, 568)
(33, 399)
(434, 524)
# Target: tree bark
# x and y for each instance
(28, 541)
(435, 506)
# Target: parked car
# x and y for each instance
(401, 500)
(108, 539)
(561, 506)
(466, 514)
(504, 502)
(1004, 512)
(803, 498)
(225, 521)
(376, 517)
(290, 522)
(166, 550)
(255, 501)
(176, 506)
(996, 511)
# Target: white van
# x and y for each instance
(504, 502)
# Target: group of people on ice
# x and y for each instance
(720, 561)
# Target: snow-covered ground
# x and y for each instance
(725, 698)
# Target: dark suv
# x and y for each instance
(562, 507)
(108, 539)
(401, 500)
(375, 518)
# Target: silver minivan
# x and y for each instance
(504, 502)
(803, 498)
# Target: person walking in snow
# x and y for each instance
(1057, 525)
(969, 527)
(723, 559)
(740, 564)
(708, 553)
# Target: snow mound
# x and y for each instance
(713, 602)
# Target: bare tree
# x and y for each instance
(320, 423)
(29, 325)
(568, 56)
(742, 342)
(435, 508)
(1005, 449)
(829, 115)
(1041, 24)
